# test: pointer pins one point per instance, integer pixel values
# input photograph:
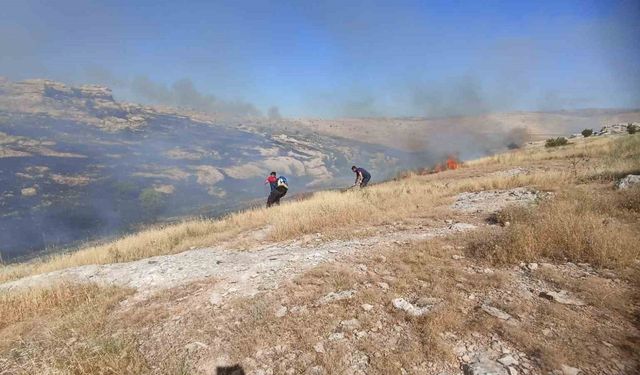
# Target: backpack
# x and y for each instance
(282, 182)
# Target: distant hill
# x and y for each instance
(75, 164)
(470, 136)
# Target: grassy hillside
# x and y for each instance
(77, 165)
(587, 162)
(585, 221)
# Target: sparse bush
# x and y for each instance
(151, 201)
(587, 133)
(124, 189)
(555, 142)
(632, 129)
(576, 227)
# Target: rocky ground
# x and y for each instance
(401, 298)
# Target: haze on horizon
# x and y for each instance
(334, 58)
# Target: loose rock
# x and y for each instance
(366, 307)
(496, 312)
(507, 360)
(319, 347)
(195, 346)
(484, 366)
(568, 370)
(561, 297)
(402, 304)
(282, 311)
(336, 296)
(628, 182)
(350, 325)
(461, 227)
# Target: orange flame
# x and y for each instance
(452, 163)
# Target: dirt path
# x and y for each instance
(246, 272)
(238, 273)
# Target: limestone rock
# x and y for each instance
(495, 312)
(507, 360)
(319, 347)
(336, 296)
(484, 366)
(409, 308)
(366, 307)
(561, 297)
(462, 227)
(568, 370)
(628, 181)
(493, 200)
(282, 311)
(350, 325)
(196, 345)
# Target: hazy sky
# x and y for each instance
(334, 58)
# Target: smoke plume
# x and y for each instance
(183, 93)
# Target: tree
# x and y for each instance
(632, 129)
(587, 132)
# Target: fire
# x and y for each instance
(452, 163)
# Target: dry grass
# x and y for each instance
(65, 329)
(327, 211)
(19, 307)
(74, 329)
(577, 226)
(595, 147)
(257, 329)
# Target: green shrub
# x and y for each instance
(555, 142)
(151, 201)
(587, 133)
(632, 129)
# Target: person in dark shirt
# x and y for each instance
(362, 176)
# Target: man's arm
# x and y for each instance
(358, 178)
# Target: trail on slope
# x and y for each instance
(246, 272)
(241, 273)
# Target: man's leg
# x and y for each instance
(272, 198)
(281, 193)
(364, 182)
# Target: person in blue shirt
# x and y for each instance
(362, 176)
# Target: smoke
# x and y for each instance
(458, 97)
(182, 93)
(365, 106)
(553, 100)
(618, 44)
(516, 137)
(98, 74)
(274, 113)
